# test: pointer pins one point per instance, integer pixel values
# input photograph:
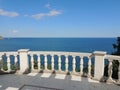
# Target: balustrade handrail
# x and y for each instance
(112, 57)
(60, 53)
(9, 53)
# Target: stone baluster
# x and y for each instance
(16, 62)
(52, 62)
(1, 63)
(66, 64)
(89, 66)
(119, 73)
(74, 64)
(45, 62)
(32, 62)
(110, 66)
(8, 63)
(59, 63)
(81, 65)
(39, 64)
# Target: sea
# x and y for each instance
(59, 44)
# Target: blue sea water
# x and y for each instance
(58, 44)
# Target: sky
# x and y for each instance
(60, 18)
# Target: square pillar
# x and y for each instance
(24, 63)
(99, 64)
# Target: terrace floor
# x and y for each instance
(48, 81)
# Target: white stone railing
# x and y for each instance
(5, 61)
(25, 61)
(52, 54)
(111, 59)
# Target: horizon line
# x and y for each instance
(61, 37)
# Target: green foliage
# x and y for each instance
(12, 67)
(77, 69)
(49, 66)
(5, 66)
(92, 70)
(115, 62)
(42, 67)
(35, 64)
(117, 47)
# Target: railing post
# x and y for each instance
(16, 62)
(45, 62)
(24, 63)
(32, 62)
(66, 63)
(74, 64)
(8, 63)
(81, 65)
(119, 73)
(59, 63)
(99, 64)
(110, 67)
(89, 67)
(52, 62)
(1, 63)
(39, 62)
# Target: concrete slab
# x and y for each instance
(60, 81)
(32, 74)
(46, 75)
(12, 88)
(60, 76)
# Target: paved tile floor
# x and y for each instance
(47, 81)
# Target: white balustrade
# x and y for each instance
(74, 64)
(52, 62)
(59, 63)
(99, 64)
(24, 61)
(1, 63)
(45, 62)
(98, 67)
(8, 63)
(111, 58)
(119, 72)
(16, 61)
(89, 66)
(110, 70)
(39, 64)
(32, 62)
(81, 65)
(66, 64)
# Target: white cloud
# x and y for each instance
(54, 13)
(15, 31)
(50, 13)
(48, 6)
(8, 13)
(26, 15)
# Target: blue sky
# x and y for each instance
(60, 18)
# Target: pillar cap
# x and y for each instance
(99, 53)
(23, 50)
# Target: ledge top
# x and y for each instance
(23, 50)
(99, 53)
